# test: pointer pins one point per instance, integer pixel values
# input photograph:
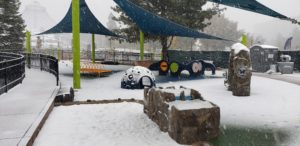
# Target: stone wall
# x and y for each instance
(183, 113)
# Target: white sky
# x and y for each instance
(247, 20)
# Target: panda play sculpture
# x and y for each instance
(137, 78)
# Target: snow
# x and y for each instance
(23, 106)
(190, 104)
(108, 125)
(238, 47)
(267, 46)
(176, 91)
(272, 105)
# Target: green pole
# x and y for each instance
(58, 54)
(76, 43)
(93, 48)
(244, 40)
(142, 40)
(28, 42)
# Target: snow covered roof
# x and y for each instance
(266, 46)
(237, 47)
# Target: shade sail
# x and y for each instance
(253, 6)
(88, 23)
(156, 25)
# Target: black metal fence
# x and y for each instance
(12, 71)
(220, 58)
(43, 62)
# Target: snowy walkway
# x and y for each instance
(290, 78)
(23, 107)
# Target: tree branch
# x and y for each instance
(168, 46)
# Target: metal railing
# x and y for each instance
(12, 70)
(43, 62)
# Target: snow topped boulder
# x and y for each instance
(238, 47)
(239, 70)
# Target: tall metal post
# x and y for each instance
(244, 40)
(28, 49)
(142, 40)
(28, 42)
(76, 42)
(93, 48)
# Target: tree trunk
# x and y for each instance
(165, 47)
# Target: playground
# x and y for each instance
(269, 115)
(214, 98)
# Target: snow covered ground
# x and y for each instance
(122, 124)
(272, 106)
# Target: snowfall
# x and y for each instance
(270, 116)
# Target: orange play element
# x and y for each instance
(93, 68)
(164, 66)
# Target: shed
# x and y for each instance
(262, 56)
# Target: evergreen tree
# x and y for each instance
(185, 12)
(11, 26)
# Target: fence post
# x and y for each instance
(57, 72)
(28, 59)
(5, 82)
(41, 61)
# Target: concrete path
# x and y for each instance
(286, 78)
(23, 108)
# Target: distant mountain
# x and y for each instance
(37, 18)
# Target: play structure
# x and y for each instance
(80, 19)
(138, 77)
(174, 68)
(93, 68)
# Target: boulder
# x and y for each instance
(183, 113)
(239, 71)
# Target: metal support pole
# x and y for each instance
(93, 48)
(76, 42)
(28, 49)
(142, 40)
(28, 42)
(244, 40)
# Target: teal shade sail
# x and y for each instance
(156, 25)
(88, 23)
(253, 6)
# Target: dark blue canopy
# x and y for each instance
(88, 23)
(156, 25)
(253, 6)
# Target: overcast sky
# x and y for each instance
(247, 20)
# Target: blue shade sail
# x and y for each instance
(156, 25)
(253, 6)
(88, 23)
